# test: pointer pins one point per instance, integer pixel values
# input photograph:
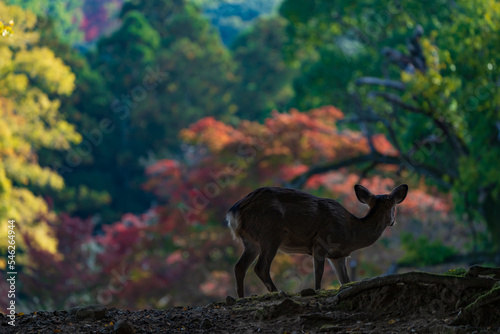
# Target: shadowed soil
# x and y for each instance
(457, 302)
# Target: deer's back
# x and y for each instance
(296, 214)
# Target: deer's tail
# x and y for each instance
(234, 221)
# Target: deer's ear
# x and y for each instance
(399, 193)
(364, 195)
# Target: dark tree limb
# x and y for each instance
(373, 118)
(381, 82)
(412, 60)
(361, 119)
(367, 133)
(428, 141)
(393, 98)
(456, 142)
(299, 181)
(397, 57)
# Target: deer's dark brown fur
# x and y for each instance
(271, 219)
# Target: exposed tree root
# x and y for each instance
(474, 295)
(483, 271)
(482, 312)
(453, 282)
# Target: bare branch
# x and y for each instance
(381, 82)
(429, 140)
(375, 158)
(456, 142)
(393, 98)
(373, 118)
(366, 119)
(367, 133)
(397, 57)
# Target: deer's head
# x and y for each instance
(384, 205)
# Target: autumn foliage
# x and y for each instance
(126, 132)
(180, 249)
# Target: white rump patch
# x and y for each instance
(233, 223)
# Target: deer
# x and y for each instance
(295, 222)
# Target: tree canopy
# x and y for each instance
(32, 81)
(66, 16)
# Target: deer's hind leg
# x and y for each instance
(240, 268)
(268, 250)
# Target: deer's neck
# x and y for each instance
(368, 229)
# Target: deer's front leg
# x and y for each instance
(341, 269)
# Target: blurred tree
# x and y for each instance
(441, 108)
(166, 68)
(465, 94)
(88, 189)
(334, 42)
(67, 16)
(198, 70)
(125, 61)
(264, 77)
(32, 81)
(233, 17)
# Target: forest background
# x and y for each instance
(128, 128)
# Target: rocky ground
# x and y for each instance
(457, 302)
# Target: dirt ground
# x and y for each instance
(406, 303)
